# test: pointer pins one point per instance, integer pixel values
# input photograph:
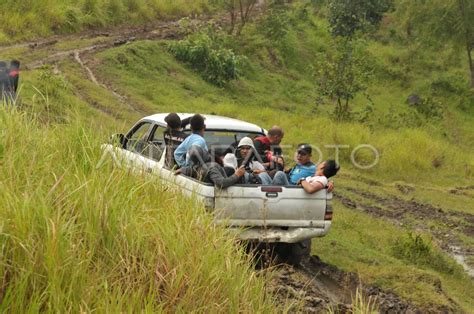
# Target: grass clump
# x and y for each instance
(74, 238)
(417, 250)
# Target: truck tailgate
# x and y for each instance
(271, 206)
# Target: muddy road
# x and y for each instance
(315, 287)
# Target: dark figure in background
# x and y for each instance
(4, 80)
(173, 137)
(268, 147)
(210, 170)
(14, 75)
(9, 80)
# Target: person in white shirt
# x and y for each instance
(319, 180)
(245, 156)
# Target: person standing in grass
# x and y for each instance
(195, 139)
(14, 75)
(4, 80)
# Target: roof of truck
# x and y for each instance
(213, 122)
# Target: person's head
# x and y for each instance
(197, 123)
(327, 168)
(218, 155)
(245, 147)
(275, 135)
(14, 64)
(303, 153)
(173, 121)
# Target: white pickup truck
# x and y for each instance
(285, 216)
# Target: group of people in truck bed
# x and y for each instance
(253, 161)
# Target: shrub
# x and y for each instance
(416, 250)
(205, 52)
(342, 73)
(275, 25)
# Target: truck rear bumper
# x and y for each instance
(276, 234)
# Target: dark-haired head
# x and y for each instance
(331, 167)
(217, 154)
(173, 121)
(197, 123)
(15, 64)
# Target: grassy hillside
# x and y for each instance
(381, 231)
(75, 237)
(29, 19)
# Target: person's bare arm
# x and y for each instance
(311, 188)
(330, 186)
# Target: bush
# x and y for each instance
(205, 52)
(416, 250)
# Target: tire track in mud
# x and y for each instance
(315, 287)
(91, 76)
(416, 214)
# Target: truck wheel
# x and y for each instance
(263, 253)
(294, 253)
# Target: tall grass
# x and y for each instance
(76, 238)
(30, 18)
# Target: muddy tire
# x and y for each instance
(293, 253)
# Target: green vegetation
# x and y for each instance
(77, 238)
(29, 19)
(205, 53)
(426, 155)
(373, 249)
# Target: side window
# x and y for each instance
(156, 144)
(137, 140)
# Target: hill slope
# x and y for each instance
(394, 222)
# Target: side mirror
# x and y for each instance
(118, 139)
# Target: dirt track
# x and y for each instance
(447, 228)
(315, 286)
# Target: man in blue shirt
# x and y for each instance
(304, 167)
(196, 138)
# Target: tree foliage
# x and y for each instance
(342, 73)
(346, 17)
(445, 21)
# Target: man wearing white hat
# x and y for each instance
(245, 157)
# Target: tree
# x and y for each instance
(346, 17)
(449, 21)
(239, 8)
(342, 73)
